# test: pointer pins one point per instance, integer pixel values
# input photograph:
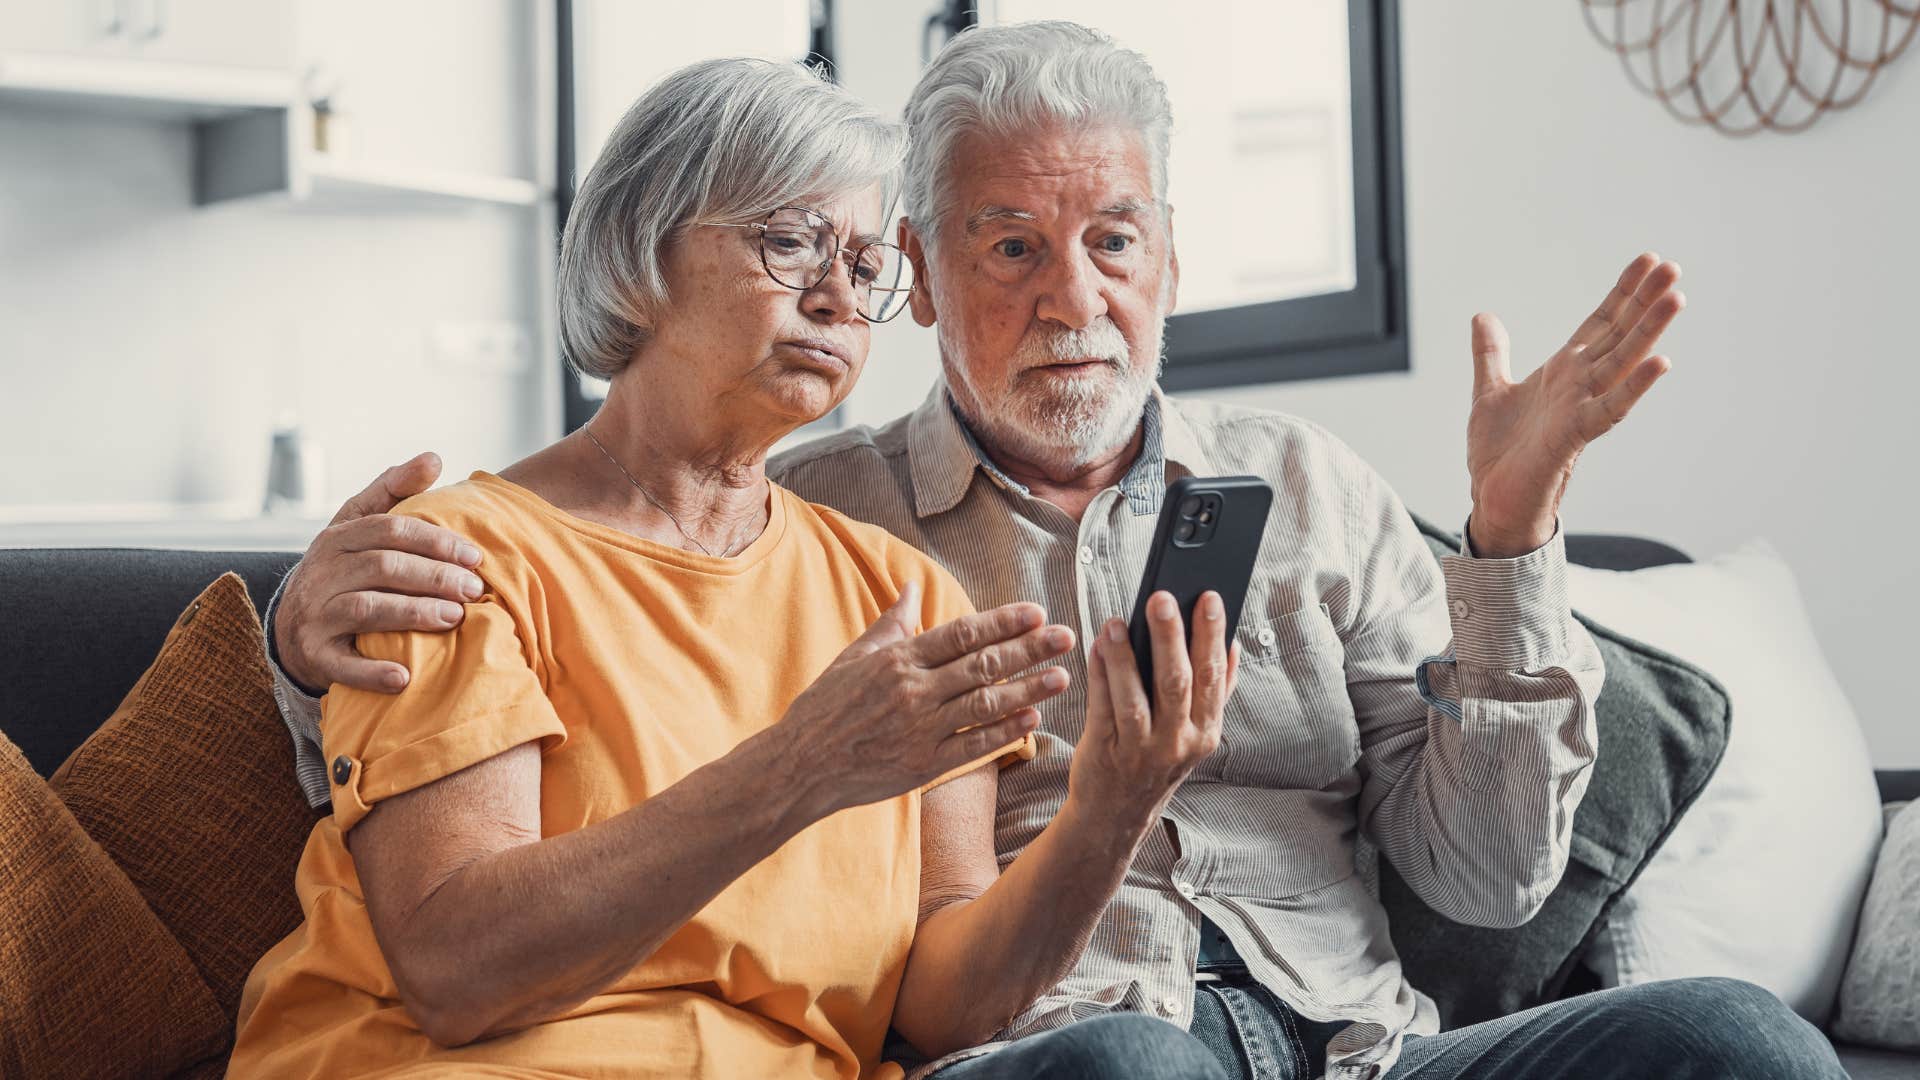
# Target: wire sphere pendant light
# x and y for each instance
(1742, 66)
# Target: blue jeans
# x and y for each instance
(1117, 1045)
(1680, 1029)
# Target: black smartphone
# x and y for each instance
(1208, 537)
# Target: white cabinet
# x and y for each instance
(257, 34)
(240, 33)
(231, 69)
(63, 26)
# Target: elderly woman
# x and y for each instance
(668, 801)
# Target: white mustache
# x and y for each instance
(1099, 340)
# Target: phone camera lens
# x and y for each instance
(1190, 506)
(1184, 532)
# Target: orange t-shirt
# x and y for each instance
(633, 664)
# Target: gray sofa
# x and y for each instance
(82, 624)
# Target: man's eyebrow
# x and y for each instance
(1127, 208)
(987, 215)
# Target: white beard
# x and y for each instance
(1057, 424)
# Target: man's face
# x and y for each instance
(1049, 286)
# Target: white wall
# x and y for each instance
(147, 345)
(1535, 172)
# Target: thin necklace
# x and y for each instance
(588, 432)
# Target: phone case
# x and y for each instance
(1221, 559)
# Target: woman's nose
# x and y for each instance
(832, 298)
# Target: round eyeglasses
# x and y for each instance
(799, 247)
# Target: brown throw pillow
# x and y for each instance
(90, 983)
(189, 786)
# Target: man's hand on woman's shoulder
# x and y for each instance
(368, 571)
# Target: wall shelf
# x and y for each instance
(148, 89)
(379, 187)
(249, 128)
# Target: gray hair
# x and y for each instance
(1006, 80)
(723, 139)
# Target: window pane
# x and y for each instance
(621, 48)
(1261, 172)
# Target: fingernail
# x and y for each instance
(397, 680)
(1032, 616)
(1213, 608)
(467, 554)
(472, 587)
(1054, 679)
(1115, 632)
(1059, 638)
(1163, 606)
(449, 611)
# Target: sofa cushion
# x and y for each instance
(99, 616)
(1663, 727)
(91, 984)
(1865, 1063)
(1763, 879)
(1880, 993)
(189, 786)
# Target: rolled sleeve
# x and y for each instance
(1005, 757)
(474, 695)
(1509, 614)
(1474, 766)
(300, 712)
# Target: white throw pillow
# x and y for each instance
(1762, 877)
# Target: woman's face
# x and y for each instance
(747, 350)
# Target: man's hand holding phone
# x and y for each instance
(1139, 745)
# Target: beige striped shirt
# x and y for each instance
(1442, 714)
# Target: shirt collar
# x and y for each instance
(1182, 447)
(943, 455)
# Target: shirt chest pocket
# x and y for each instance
(1289, 723)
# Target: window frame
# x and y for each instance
(1359, 331)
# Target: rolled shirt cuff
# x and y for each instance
(1509, 614)
(300, 712)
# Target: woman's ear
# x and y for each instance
(921, 298)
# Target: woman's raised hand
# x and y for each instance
(897, 710)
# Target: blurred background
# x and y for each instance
(254, 251)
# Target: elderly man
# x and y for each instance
(1441, 716)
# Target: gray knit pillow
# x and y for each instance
(1880, 994)
(1663, 728)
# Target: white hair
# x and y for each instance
(1065, 426)
(1008, 80)
(726, 139)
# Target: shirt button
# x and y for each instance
(1265, 637)
(1460, 609)
(1170, 1005)
(342, 769)
(1086, 555)
(1186, 889)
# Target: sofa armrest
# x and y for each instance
(1898, 784)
